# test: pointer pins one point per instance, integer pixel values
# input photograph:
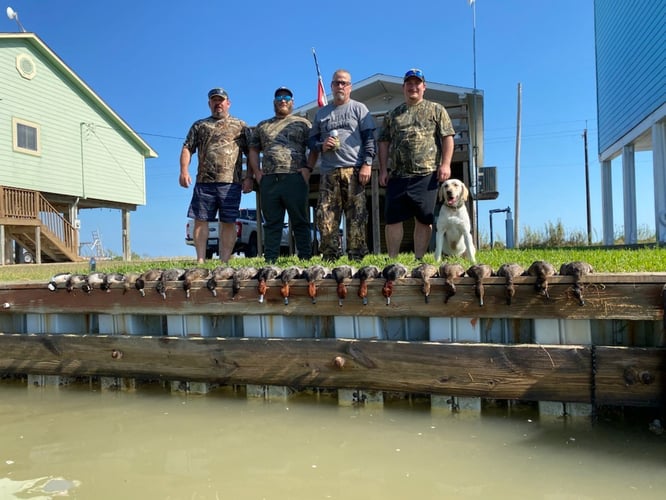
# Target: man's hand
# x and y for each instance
(364, 174)
(248, 184)
(185, 180)
(444, 173)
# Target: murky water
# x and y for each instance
(88, 444)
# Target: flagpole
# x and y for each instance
(321, 93)
(474, 174)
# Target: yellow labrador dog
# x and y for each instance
(453, 236)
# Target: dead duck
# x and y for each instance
(173, 274)
(542, 270)
(58, 280)
(510, 272)
(147, 276)
(288, 275)
(313, 275)
(265, 274)
(391, 274)
(340, 274)
(425, 272)
(77, 282)
(220, 273)
(111, 279)
(479, 272)
(194, 274)
(95, 280)
(130, 281)
(242, 274)
(450, 272)
(577, 269)
(364, 274)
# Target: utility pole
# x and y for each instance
(587, 191)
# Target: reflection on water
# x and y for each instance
(150, 445)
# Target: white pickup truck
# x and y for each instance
(246, 232)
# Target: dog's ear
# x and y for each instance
(465, 192)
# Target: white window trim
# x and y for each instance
(15, 123)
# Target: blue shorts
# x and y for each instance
(211, 198)
(408, 197)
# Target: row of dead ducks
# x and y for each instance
(540, 269)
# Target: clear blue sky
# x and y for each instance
(153, 62)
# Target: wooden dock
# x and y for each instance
(78, 334)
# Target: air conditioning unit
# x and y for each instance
(487, 184)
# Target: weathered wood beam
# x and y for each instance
(526, 372)
(636, 296)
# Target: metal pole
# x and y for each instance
(516, 201)
(473, 152)
(587, 191)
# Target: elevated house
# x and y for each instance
(381, 93)
(630, 41)
(62, 150)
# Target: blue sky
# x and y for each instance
(154, 61)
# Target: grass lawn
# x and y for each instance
(608, 260)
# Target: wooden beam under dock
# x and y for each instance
(621, 375)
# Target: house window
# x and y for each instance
(26, 137)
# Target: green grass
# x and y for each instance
(610, 260)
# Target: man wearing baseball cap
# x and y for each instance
(219, 142)
(283, 176)
(419, 136)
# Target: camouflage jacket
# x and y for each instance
(415, 136)
(220, 145)
(283, 142)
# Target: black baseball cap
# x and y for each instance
(284, 89)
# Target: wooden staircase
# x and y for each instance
(30, 220)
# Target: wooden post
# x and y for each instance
(374, 207)
(127, 251)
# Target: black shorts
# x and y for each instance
(408, 197)
(211, 198)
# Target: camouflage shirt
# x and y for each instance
(414, 133)
(219, 144)
(283, 142)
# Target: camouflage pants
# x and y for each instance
(340, 191)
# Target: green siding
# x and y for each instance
(89, 161)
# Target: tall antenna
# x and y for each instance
(12, 14)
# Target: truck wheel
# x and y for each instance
(251, 250)
(209, 253)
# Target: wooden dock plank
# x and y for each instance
(526, 371)
(638, 296)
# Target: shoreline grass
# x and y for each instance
(607, 260)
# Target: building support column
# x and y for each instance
(659, 172)
(629, 190)
(607, 202)
(127, 251)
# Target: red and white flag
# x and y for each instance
(321, 93)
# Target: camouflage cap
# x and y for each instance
(217, 91)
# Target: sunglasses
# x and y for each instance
(286, 98)
(340, 83)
